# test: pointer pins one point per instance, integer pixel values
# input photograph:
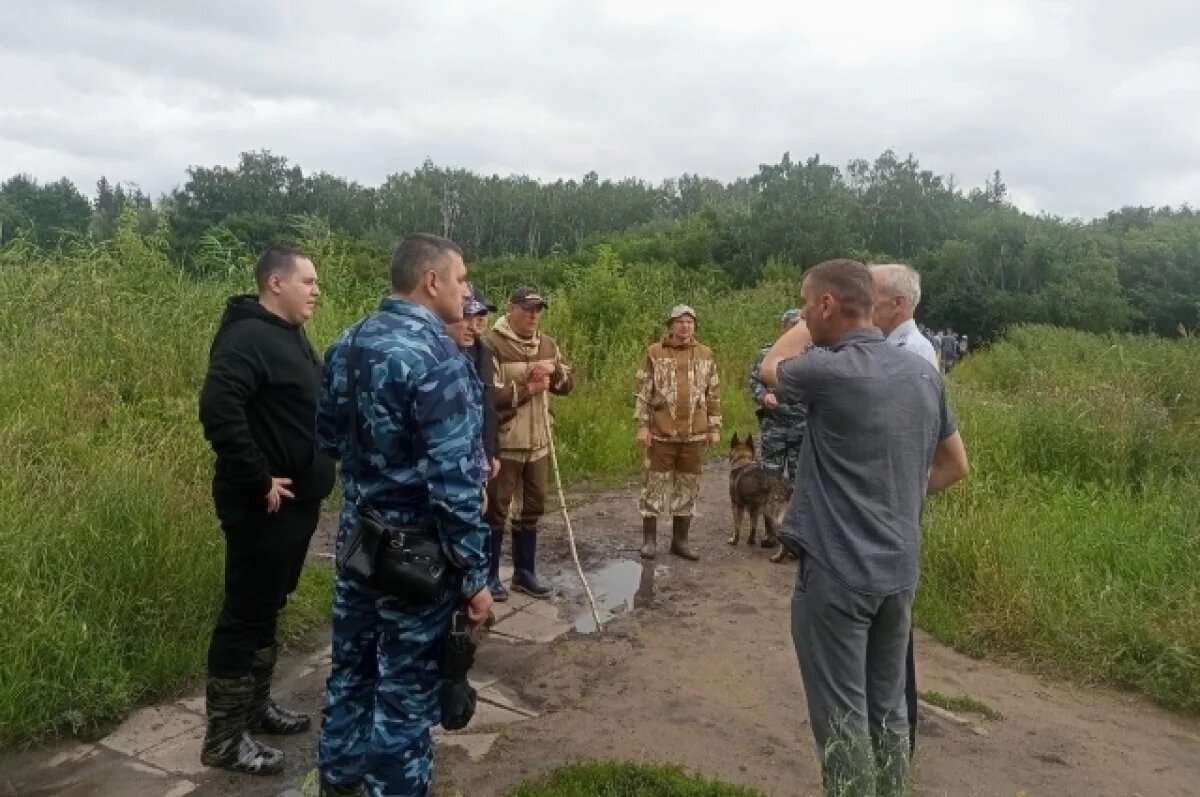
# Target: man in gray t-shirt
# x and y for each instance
(880, 438)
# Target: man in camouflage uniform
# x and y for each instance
(678, 412)
(420, 432)
(781, 425)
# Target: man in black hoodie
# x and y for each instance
(258, 408)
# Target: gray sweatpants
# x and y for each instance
(852, 650)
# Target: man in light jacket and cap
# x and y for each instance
(527, 365)
(678, 413)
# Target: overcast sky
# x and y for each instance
(1084, 105)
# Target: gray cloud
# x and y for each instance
(1083, 106)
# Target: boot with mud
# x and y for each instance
(524, 579)
(679, 538)
(266, 716)
(649, 538)
(227, 743)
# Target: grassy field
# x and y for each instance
(1074, 545)
(603, 779)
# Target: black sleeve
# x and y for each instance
(233, 378)
(491, 419)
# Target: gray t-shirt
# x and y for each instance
(875, 416)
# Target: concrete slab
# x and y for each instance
(476, 745)
(195, 704)
(482, 680)
(180, 755)
(149, 727)
(535, 628)
(487, 715)
(181, 788)
(503, 610)
(72, 755)
(519, 600)
(493, 694)
(126, 780)
(539, 622)
(548, 609)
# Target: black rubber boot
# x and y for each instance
(525, 578)
(649, 537)
(227, 744)
(679, 538)
(265, 714)
(495, 585)
(332, 790)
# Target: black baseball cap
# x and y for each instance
(480, 302)
(528, 297)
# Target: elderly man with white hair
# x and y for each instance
(897, 294)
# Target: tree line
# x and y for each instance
(985, 264)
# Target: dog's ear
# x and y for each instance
(750, 441)
(733, 441)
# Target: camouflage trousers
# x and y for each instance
(382, 694)
(781, 447)
(672, 479)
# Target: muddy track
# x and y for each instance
(702, 673)
(695, 667)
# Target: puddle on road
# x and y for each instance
(618, 587)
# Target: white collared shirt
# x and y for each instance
(907, 336)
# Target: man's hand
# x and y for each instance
(770, 402)
(540, 385)
(477, 607)
(714, 437)
(279, 491)
(643, 436)
(545, 366)
(495, 468)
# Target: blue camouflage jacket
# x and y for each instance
(792, 413)
(420, 422)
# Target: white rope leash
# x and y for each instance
(562, 503)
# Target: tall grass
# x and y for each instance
(110, 558)
(1076, 542)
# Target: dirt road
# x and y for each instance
(696, 668)
(703, 674)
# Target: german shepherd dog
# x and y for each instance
(758, 490)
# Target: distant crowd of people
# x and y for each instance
(949, 346)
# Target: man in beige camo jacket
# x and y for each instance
(678, 413)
